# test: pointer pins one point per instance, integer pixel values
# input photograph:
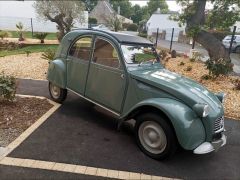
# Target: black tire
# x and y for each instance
(60, 96)
(169, 138)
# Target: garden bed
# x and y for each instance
(17, 116)
(221, 84)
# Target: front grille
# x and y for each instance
(219, 124)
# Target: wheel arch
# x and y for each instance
(187, 126)
(57, 73)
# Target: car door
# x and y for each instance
(106, 81)
(77, 63)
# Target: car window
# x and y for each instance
(105, 54)
(81, 49)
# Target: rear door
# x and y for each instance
(77, 63)
(106, 80)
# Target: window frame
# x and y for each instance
(91, 48)
(113, 45)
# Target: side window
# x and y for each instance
(105, 54)
(81, 49)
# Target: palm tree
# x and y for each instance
(19, 26)
(41, 36)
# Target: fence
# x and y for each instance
(32, 24)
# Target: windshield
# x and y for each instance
(136, 54)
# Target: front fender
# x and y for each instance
(57, 73)
(189, 128)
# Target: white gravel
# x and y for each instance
(21, 66)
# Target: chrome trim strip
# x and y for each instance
(94, 102)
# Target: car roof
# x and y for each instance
(120, 37)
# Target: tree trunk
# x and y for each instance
(214, 47)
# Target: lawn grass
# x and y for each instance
(28, 34)
(30, 49)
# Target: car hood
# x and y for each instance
(181, 88)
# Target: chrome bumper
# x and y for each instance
(208, 147)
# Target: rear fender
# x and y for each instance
(57, 73)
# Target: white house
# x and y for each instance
(162, 21)
(103, 11)
(238, 27)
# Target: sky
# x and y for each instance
(173, 6)
(15, 8)
(25, 9)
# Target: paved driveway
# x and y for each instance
(80, 134)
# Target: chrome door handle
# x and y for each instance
(122, 76)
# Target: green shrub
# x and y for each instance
(189, 68)
(206, 77)
(20, 29)
(196, 56)
(163, 54)
(92, 20)
(8, 45)
(237, 84)
(181, 63)
(41, 36)
(132, 27)
(218, 67)
(49, 54)
(28, 53)
(125, 25)
(7, 87)
(4, 34)
(144, 35)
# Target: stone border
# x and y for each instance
(32, 128)
(78, 169)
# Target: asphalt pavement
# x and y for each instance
(78, 133)
(20, 173)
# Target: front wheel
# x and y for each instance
(155, 136)
(57, 94)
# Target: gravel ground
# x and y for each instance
(21, 66)
(221, 84)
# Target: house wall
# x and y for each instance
(163, 22)
(13, 12)
(238, 27)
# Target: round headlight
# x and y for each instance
(202, 110)
(206, 111)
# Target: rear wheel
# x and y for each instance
(57, 94)
(155, 136)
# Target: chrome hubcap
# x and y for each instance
(152, 137)
(55, 91)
